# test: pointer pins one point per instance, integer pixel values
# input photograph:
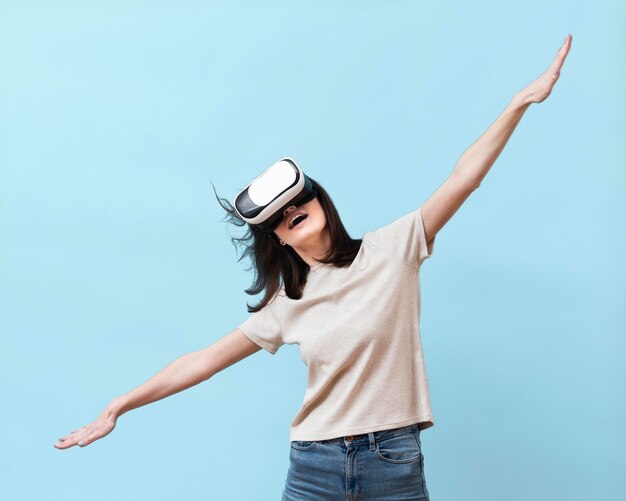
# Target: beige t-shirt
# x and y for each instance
(358, 332)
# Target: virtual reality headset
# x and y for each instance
(263, 201)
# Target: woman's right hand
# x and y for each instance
(100, 427)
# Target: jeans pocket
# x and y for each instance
(302, 445)
(403, 448)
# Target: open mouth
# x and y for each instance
(297, 219)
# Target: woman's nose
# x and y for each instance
(286, 211)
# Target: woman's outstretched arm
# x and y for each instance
(476, 161)
(182, 373)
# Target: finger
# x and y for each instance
(558, 60)
(86, 439)
(75, 438)
(71, 433)
(81, 438)
(64, 445)
(562, 53)
(80, 442)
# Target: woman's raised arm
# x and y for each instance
(476, 161)
(182, 373)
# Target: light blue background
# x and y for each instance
(114, 260)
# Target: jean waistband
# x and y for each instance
(374, 436)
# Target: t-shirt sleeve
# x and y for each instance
(263, 328)
(405, 239)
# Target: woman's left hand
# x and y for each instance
(537, 91)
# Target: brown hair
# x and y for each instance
(275, 264)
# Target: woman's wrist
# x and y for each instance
(521, 100)
(116, 407)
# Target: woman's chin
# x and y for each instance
(305, 236)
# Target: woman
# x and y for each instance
(352, 306)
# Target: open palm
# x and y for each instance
(538, 90)
(100, 427)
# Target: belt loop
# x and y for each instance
(372, 441)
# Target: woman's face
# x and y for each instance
(307, 231)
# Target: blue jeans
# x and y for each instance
(382, 466)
